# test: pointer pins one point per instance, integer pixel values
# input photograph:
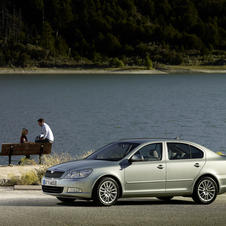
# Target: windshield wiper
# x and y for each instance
(115, 159)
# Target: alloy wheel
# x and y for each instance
(108, 192)
(206, 190)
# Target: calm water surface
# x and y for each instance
(86, 112)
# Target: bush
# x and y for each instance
(27, 161)
(30, 177)
(177, 60)
(27, 178)
(33, 177)
(119, 63)
(123, 58)
(137, 61)
(113, 62)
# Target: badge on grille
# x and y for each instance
(52, 171)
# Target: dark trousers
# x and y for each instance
(43, 141)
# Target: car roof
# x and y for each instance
(146, 140)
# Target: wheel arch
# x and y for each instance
(110, 176)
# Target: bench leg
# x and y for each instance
(41, 152)
(10, 153)
(9, 159)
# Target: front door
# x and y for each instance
(146, 176)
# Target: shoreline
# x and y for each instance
(164, 70)
(77, 71)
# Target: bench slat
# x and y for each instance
(25, 149)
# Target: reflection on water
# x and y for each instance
(86, 112)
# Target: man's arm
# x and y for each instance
(44, 132)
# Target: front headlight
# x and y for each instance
(78, 174)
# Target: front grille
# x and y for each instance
(55, 174)
(52, 189)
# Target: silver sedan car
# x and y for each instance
(140, 168)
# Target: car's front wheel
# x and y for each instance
(205, 191)
(106, 192)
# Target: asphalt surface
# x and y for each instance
(31, 207)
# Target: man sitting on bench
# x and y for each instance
(47, 135)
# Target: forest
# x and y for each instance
(57, 32)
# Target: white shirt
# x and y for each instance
(47, 132)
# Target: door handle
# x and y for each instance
(197, 165)
(160, 166)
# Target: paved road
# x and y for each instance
(34, 208)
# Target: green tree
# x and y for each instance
(47, 39)
(61, 11)
(61, 46)
(212, 35)
(191, 41)
(37, 4)
(164, 8)
(2, 59)
(23, 60)
(112, 43)
(148, 63)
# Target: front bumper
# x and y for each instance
(68, 188)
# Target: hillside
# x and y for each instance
(95, 32)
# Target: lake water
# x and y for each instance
(85, 112)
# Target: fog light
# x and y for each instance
(74, 190)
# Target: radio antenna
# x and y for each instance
(178, 138)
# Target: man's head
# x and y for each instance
(41, 121)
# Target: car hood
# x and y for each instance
(81, 164)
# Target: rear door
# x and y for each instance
(184, 163)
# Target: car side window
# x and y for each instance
(196, 153)
(183, 151)
(178, 151)
(151, 152)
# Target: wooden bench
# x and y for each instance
(26, 149)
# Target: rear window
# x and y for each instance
(196, 153)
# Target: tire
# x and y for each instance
(106, 192)
(205, 191)
(168, 198)
(66, 200)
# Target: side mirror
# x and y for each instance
(137, 158)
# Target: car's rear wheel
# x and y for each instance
(106, 192)
(66, 200)
(167, 198)
(205, 191)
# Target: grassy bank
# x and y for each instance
(193, 67)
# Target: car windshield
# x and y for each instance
(114, 151)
